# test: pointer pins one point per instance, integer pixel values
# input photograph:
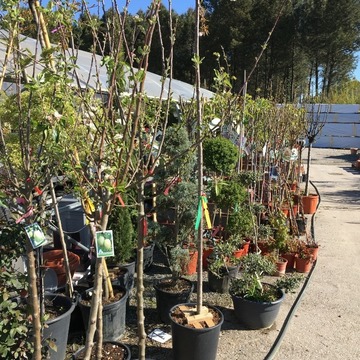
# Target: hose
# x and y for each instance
(276, 346)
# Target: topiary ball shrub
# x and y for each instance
(220, 155)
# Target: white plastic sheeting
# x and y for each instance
(88, 72)
(342, 127)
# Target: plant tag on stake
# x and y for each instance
(36, 235)
(104, 243)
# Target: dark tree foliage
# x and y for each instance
(311, 51)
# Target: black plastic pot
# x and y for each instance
(256, 315)
(131, 267)
(166, 300)
(114, 316)
(221, 284)
(127, 354)
(148, 256)
(57, 329)
(121, 276)
(195, 344)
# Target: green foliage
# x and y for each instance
(123, 234)
(228, 194)
(289, 282)
(241, 222)
(249, 285)
(179, 259)
(14, 326)
(281, 230)
(181, 206)
(223, 257)
(220, 155)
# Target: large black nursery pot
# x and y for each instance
(220, 284)
(195, 344)
(125, 348)
(256, 315)
(165, 300)
(57, 329)
(114, 315)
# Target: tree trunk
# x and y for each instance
(308, 170)
(140, 277)
(95, 300)
(34, 301)
(200, 159)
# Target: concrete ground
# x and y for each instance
(326, 324)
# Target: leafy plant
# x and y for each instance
(249, 285)
(222, 257)
(241, 222)
(179, 259)
(220, 155)
(280, 229)
(14, 326)
(228, 194)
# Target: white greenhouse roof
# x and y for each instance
(88, 72)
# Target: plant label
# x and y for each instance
(36, 235)
(104, 243)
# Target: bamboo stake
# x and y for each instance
(69, 284)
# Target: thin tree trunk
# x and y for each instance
(99, 324)
(140, 270)
(308, 171)
(95, 300)
(34, 301)
(200, 159)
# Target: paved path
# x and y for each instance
(326, 325)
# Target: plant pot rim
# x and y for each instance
(70, 310)
(159, 281)
(195, 305)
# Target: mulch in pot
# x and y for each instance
(109, 352)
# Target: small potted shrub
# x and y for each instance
(222, 266)
(257, 303)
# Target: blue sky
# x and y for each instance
(180, 6)
(357, 71)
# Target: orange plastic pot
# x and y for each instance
(309, 203)
(303, 265)
(192, 265)
(54, 259)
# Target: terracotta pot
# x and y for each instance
(192, 265)
(285, 210)
(290, 257)
(313, 250)
(281, 266)
(303, 265)
(309, 203)
(239, 253)
(264, 247)
(246, 247)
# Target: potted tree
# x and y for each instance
(316, 120)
